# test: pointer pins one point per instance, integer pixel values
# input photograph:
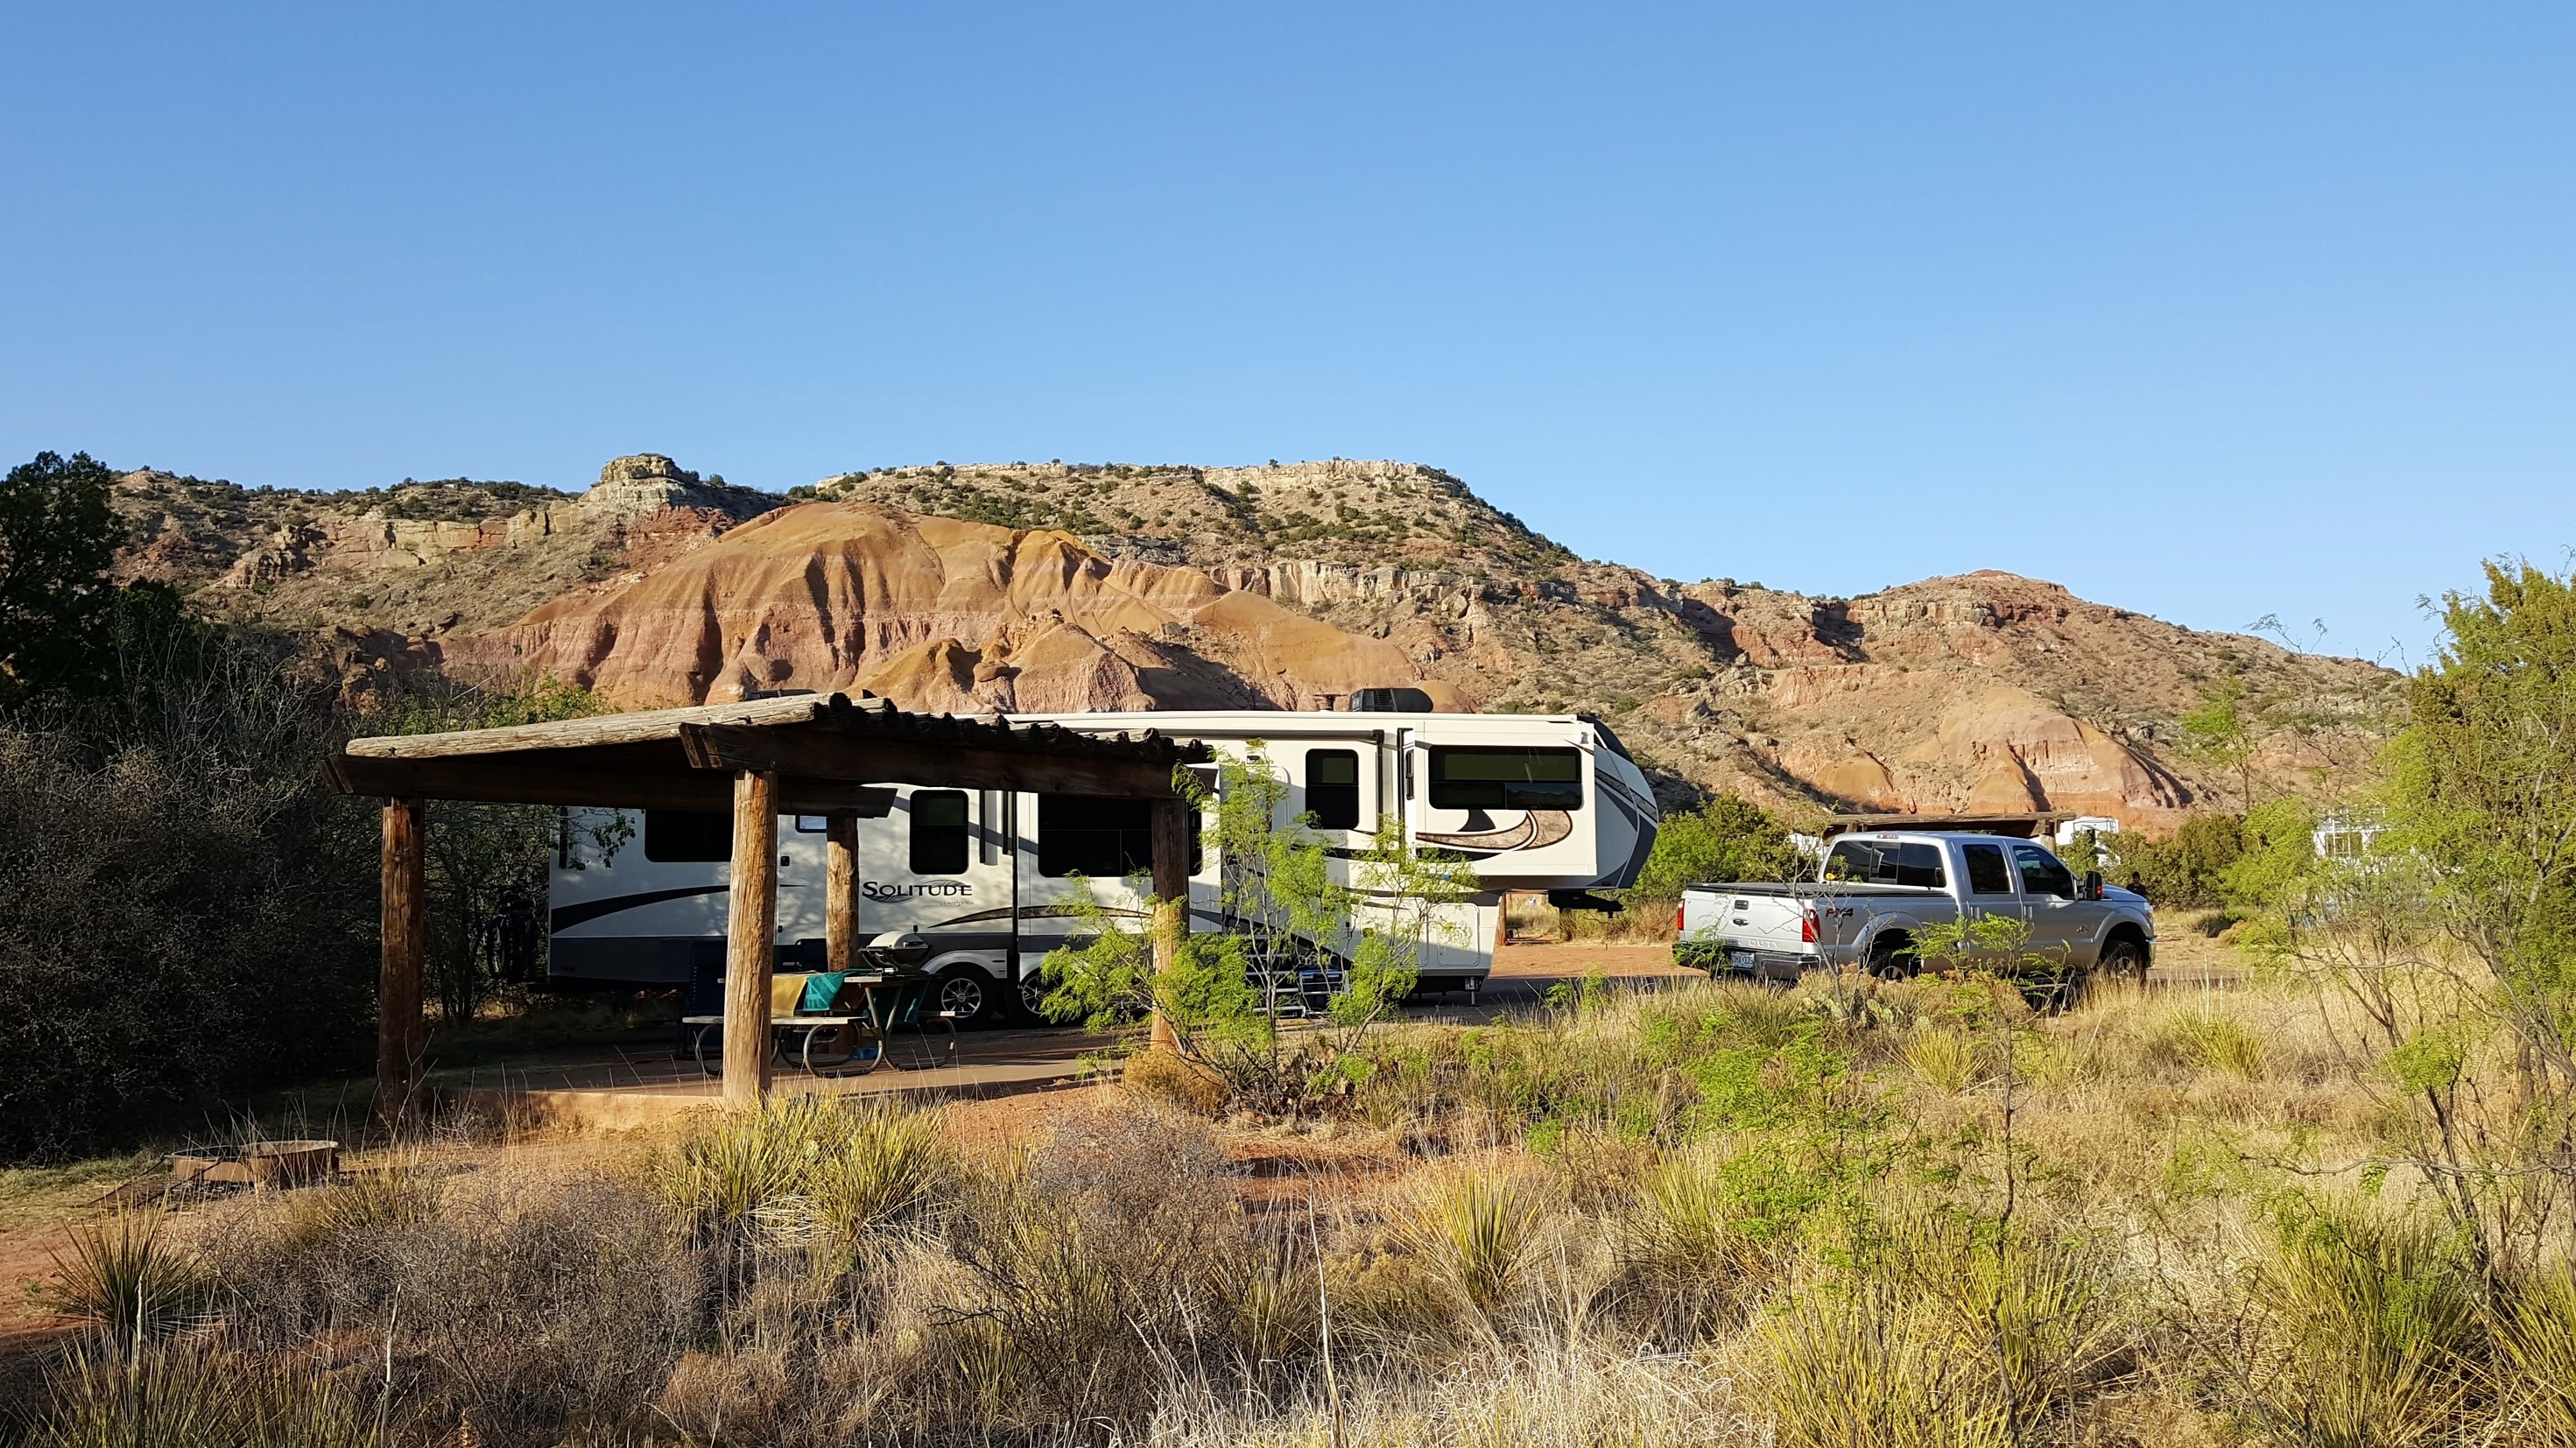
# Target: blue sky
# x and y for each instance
(2212, 312)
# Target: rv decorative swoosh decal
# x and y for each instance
(1538, 829)
(568, 916)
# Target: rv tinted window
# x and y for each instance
(688, 836)
(1487, 778)
(1333, 788)
(1987, 874)
(1884, 862)
(1105, 839)
(939, 832)
(2043, 873)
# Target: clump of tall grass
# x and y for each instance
(2538, 1339)
(128, 1277)
(725, 1176)
(1088, 1264)
(1550, 1392)
(1939, 1327)
(403, 1194)
(2375, 1325)
(807, 1166)
(2210, 1040)
(189, 1397)
(1683, 1261)
(1843, 1364)
(887, 1165)
(1944, 1060)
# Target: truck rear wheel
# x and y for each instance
(1894, 959)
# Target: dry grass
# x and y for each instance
(1713, 1214)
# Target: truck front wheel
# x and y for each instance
(2123, 959)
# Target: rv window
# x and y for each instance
(1487, 778)
(1106, 839)
(813, 824)
(1333, 788)
(688, 836)
(2043, 873)
(1884, 862)
(939, 832)
(1986, 872)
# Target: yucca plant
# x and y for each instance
(888, 1165)
(749, 1165)
(125, 1278)
(1480, 1231)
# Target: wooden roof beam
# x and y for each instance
(498, 781)
(822, 753)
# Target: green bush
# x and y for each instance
(2186, 872)
(186, 913)
(1727, 839)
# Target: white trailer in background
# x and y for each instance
(976, 882)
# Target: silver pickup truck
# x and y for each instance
(1875, 894)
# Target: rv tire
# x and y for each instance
(1023, 1001)
(966, 993)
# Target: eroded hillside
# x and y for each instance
(1046, 586)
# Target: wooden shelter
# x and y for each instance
(761, 758)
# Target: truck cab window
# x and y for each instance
(688, 837)
(939, 832)
(1333, 788)
(1885, 862)
(1494, 778)
(1987, 873)
(2043, 873)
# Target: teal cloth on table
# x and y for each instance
(820, 992)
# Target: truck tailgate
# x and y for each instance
(1749, 930)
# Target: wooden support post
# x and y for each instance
(1171, 844)
(841, 889)
(751, 937)
(401, 1034)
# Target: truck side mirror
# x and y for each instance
(2092, 884)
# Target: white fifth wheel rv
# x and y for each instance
(975, 882)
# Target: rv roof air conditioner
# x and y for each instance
(1390, 701)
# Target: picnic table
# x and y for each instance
(839, 1041)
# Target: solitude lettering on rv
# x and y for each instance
(880, 890)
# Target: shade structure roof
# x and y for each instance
(827, 750)
(2026, 825)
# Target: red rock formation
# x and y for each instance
(935, 613)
